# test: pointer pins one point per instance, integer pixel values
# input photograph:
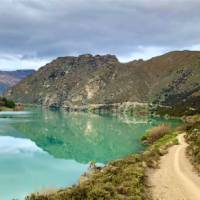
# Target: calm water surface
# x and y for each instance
(42, 149)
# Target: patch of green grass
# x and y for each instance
(3, 108)
(151, 156)
(156, 133)
(169, 139)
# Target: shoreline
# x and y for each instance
(133, 167)
(130, 175)
(129, 108)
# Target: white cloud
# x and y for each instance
(144, 53)
(10, 62)
(39, 31)
(10, 145)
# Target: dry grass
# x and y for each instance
(156, 133)
(47, 191)
(192, 119)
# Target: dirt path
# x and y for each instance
(175, 179)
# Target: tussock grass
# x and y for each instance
(192, 119)
(156, 133)
(193, 139)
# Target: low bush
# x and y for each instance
(10, 104)
(7, 103)
(193, 149)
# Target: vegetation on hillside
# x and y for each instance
(170, 80)
(5, 103)
(193, 138)
(190, 106)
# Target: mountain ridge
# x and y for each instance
(86, 79)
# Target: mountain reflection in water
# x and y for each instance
(85, 136)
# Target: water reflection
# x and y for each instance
(25, 168)
(85, 136)
(11, 145)
(46, 149)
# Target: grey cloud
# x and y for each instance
(46, 29)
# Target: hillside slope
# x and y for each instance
(171, 79)
(82, 80)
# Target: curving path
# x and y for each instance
(175, 179)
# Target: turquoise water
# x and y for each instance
(42, 149)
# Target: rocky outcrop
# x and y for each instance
(83, 80)
(170, 79)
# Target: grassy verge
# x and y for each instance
(156, 133)
(192, 127)
(3, 108)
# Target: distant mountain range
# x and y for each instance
(171, 80)
(11, 78)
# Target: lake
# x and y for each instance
(42, 149)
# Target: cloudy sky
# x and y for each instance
(33, 32)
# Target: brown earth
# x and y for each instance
(175, 179)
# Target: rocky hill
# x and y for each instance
(172, 80)
(11, 78)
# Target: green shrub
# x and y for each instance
(7, 103)
(10, 104)
(193, 150)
